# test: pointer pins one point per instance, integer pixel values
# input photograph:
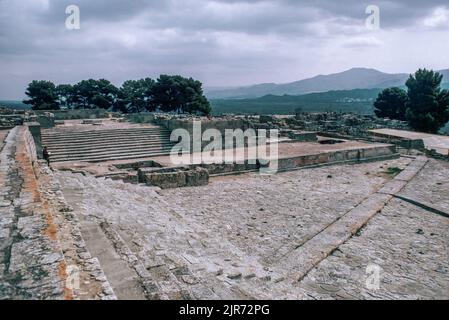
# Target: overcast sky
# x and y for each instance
(221, 42)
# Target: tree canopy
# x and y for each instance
(138, 94)
(42, 95)
(176, 93)
(425, 105)
(391, 104)
(168, 93)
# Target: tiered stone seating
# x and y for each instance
(110, 144)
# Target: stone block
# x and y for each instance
(166, 180)
(176, 178)
(197, 177)
(303, 136)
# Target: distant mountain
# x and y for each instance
(357, 101)
(14, 104)
(356, 78)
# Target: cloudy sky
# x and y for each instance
(221, 42)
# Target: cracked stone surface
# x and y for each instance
(223, 241)
(240, 237)
(409, 244)
(431, 186)
(38, 240)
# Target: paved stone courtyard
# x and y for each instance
(241, 237)
(315, 233)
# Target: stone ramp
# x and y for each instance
(42, 252)
(32, 262)
(108, 144)
(311, 253)
(404, 245)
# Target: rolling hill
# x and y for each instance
(356, 78)
(357, 100)
(14, 104)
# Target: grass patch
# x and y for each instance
(393, 171)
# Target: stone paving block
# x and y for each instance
(33, 252)
(5, 204)
(407, 243)
(319, 247)
(38, 276)
(393, 187)
(411, 171)
(31, 227)
(4, 233)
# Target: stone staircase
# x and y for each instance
(108, 144)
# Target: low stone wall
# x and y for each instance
(303, 136)
(76, 114)
(219, 124)
(127, 177)
(92, 121)
(10, 120)
(140, 117)
(35, 143)
(138, 165)
(46, 121)
(434, 154)
(417, 144)
(30, 146)
(167, 178)
(356, 155)
(231, 168)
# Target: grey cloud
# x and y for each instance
(223, 42)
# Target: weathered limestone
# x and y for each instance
(76, 114)
(415, 140)
(285, 236)
(35, 129)
(324, 243)
(231, 168)
(303, 136)
(174, 178)
(92, 121)
(32, 259)
(406, 244)
(233, 238)
(141, 117)
(367, 153)
(104, 145)
(42, 254)
(46, 120)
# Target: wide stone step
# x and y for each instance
(104, 133)
(97, 138)
(112, 138)
(109, 150)
(115, 157)
(110, 144)
(103, 141)
(117, 150)
(140, 144)
(99, 143)
(107, 130)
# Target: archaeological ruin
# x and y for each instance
(116, 216)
